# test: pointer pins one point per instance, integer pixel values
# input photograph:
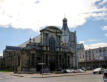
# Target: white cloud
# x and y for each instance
(96, 45)
(92, 46)
(92, 40)
(1, 54)
(106, 34)
(34, 13)
(104, 1)
(81, 42)
(104, 28)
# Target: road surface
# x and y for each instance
(76, 78)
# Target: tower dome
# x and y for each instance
(65, 20)
(65, 26)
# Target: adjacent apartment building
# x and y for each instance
(96, 57)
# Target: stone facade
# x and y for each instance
(96, 54)
(51, 50)
(81, 54)
(95, 58)
(1, 62)
(69, 41)
(11, 58)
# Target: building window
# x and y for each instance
(52, 44)
(104, 50)
(100, 50)
(32, 59)
(45, 37)
(68, 61)
(46, 59)
(18, 60)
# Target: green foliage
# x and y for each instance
(5, 71)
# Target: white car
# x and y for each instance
(105, 76)
(98, 71)
(80, 71)
(69, 70)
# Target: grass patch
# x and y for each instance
(5, 71)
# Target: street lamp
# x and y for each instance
(42, 65)
(86, 61)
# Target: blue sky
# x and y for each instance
(14, 37)
(92, 31)
(22, 19)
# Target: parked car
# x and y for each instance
(63, 71)
(59, 70)
(70, 71)
(80, 70)
(98, 71)
(83, 68)
(73, 71)
(105, 75)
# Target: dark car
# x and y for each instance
(105, 75)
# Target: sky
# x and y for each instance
(22, 19)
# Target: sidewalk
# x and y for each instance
(50, 75)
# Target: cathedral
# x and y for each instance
(53, 49)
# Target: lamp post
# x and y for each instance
(86, 61)
(42, 65)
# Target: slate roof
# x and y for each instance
(12, 48)
(36, 39)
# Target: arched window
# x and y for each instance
(52, 44)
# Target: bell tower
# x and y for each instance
(65, 26)
(65, 32)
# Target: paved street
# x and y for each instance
(4, 77)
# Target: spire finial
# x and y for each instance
(65, 19)
(64, 15)
(33, 39)
(30, 40)
(65, 26)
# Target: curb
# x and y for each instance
(60, 75)
(49, 76)
(18, 75)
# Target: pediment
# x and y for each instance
(51, 29)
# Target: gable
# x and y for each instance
(53, 29)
